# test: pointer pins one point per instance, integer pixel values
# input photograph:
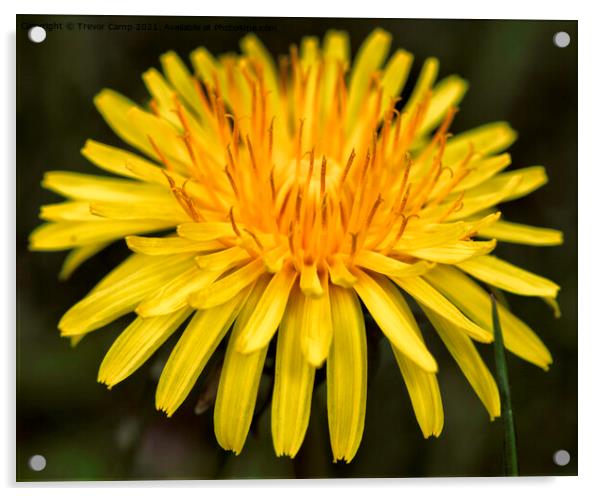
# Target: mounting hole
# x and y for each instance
(562, 39)
(37, 34)
(562, 458)
(37, 463)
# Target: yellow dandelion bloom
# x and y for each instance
(292, 194)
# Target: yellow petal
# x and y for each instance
(426, 79)
(395, 76)
(389, 266)
(156, 175)
(508, 277)
(511, 232)
(205, 65)
(315, 325)
(482, 170)
(428, 235)
(423, 292)
(75, 340)
(136, 344)
(189, 357)
(554, 306)
(476, 304)
(207, 69)
(167, 209)
(486, 140)
(346, 374)
(66, 235)
(464, 352)
(274, 259)
(268, 313)
(255, 50)
(181, 79)
(293, 384)
(252, 46)
(339, 273)
(531, 178)
(121, 296)
(115, 160)
(129, 266)
(225, 288)
(423, 389)
(446, 94)
(169, 245)
(164, 135)
(309, 51)
(96, 188)
(67, 211)
(309, 282)
(223, 259)
(335, 52)
(78, 256)
(239, 382)
(206, 231)
(480, 201)
(336, 46)
(369, 58)
(162, 95)
(114, 108)
(453, 253)
(174, 295)
(382, 300)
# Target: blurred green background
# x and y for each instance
(87, 432)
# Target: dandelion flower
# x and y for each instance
(283, 197)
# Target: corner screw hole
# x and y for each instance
(37, 34)
(562, 458)
(562, 39)
(37, 463)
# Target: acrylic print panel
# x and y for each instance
(267, 248)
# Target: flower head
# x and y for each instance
(290, 194)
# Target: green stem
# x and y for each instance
(510, 456)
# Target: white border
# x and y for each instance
(590, 114)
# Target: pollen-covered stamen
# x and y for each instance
(323, 177)
(402, 227)
(358, 198)
(182, 197)
(441, 133)
(231, 180)
(413, 123)
(233, 223)
(313, 210)
(428, 182)
(451, 184)
(353, 237)
(388, 122)
(298, 153)
(368, 221)
(347, 167)
(254, 247)
(456, 206)
(219, 110)
(162, 157)
(202, 97)
(255, 238)
(272, 187)
(456, 178)
(235, 136)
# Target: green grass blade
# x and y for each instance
(510, 455)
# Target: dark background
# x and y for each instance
(85, 431)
